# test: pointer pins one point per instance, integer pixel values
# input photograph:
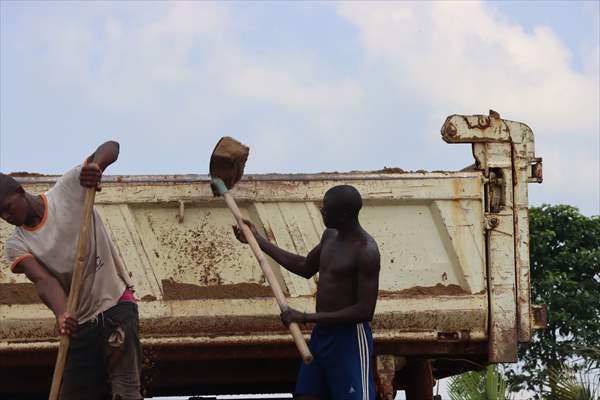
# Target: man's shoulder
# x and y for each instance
(369, 250)
(15, 245)
(328, 234)
(67, 187)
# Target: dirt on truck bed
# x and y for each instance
(187, 291)
(18, 293)
(23, 174)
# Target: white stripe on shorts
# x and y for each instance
(362, 358)
(367, 361)
(363, 346)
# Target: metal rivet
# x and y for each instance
(483, 121)
(450, 129)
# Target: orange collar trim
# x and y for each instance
(44, 218)
(15, 264)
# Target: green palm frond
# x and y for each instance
(466, 387)
(488, 384)
(565, 383)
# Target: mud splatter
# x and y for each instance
(18, 293)
(23, 174)
(199, 248)
(437, 290)
(390, 170)
(186, 291)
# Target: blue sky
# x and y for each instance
(310, 86)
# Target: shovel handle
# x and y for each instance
(76, 280)
(271, 278)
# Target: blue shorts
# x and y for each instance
(342, 363)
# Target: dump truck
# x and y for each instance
(454, 286)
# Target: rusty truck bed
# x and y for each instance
(454, 284)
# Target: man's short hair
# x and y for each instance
(8, 185)
(347, 198)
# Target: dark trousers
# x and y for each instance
(105, 358)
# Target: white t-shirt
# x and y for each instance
(53, 242)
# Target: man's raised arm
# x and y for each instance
(299, 265)
(106, 154)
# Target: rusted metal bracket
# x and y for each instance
(475, 129)
(537, 173)
(504, 152)
(495, 191)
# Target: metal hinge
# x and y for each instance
(536, 173)
(495, 191)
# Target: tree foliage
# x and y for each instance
(565, 275)
(488, 384)
(567, 384)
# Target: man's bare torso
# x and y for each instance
(338, 270)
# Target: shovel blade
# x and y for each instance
(228, 161)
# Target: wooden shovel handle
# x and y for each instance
(271, 278)
(76, 281)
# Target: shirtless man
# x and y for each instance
(347, 260)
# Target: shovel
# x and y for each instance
(76, 279)
(226, 169)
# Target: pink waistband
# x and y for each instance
(127, 296)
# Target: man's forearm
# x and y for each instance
(106, 154)
(52, 294)
(353, 314)
(290, 261)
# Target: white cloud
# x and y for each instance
(182, 71)
(193, 48)
(276, 141)
(462, 57)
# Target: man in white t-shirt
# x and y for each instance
(104, 359)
